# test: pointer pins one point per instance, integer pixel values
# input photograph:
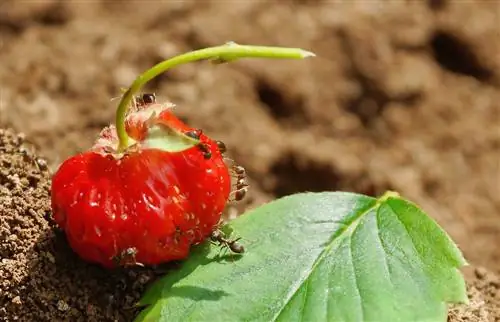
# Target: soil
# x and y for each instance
(484, 298)
(402, 95)
(41, 279)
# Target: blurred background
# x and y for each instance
(403, 95)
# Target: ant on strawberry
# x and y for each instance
(195, 134)
(222, 146)
(145, 99)
(149, 98)
(203, 147)
(206, 150)
(241, 183)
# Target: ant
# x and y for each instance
(29, 154)
(203, 147)
(195, 134)
(241, 183)
(241, 176)
(206, 150)
(149, 98)
(145, 99)
(219, 237)
(222, 146)
(127, 258)
(207, 154)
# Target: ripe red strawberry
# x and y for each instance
(147, 205)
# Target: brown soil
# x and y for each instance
(402, 96)
(41, 279)
(484, 298)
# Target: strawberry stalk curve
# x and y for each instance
(151, 186)
(219, 54)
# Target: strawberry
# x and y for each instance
(151, 186)
(149, 203)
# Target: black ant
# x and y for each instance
(207, 154)
(222, 146)
(241, 183)
(29, 155)
(240, 171)
(149, 98)
(145, 99)
(195, 134)
(206, 150)
(203, 147)
(218, 236)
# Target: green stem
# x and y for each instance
(224, 53)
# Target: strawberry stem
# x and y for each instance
(225, 53)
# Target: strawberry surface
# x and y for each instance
(145, 206)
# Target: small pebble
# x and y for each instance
(21, 137)
(24, 151)
(480, 273)
(17, 300)
(62, 306)
(50, 257)
(14, 179)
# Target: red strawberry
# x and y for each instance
(149, 204)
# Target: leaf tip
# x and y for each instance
(307, 54)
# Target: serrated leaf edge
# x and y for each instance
(351, 227)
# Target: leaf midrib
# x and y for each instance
(345, 229)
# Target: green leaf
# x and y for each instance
(319, 257)
(164, 137)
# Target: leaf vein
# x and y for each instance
(384, 249)
(420, 258)
(322, 255)
(329, 285)
(356, 278)
(304, 300)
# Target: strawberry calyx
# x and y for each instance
(149, 126)
(165, 138)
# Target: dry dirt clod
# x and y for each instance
(480, 272)
(17, 300)
(62, 306)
